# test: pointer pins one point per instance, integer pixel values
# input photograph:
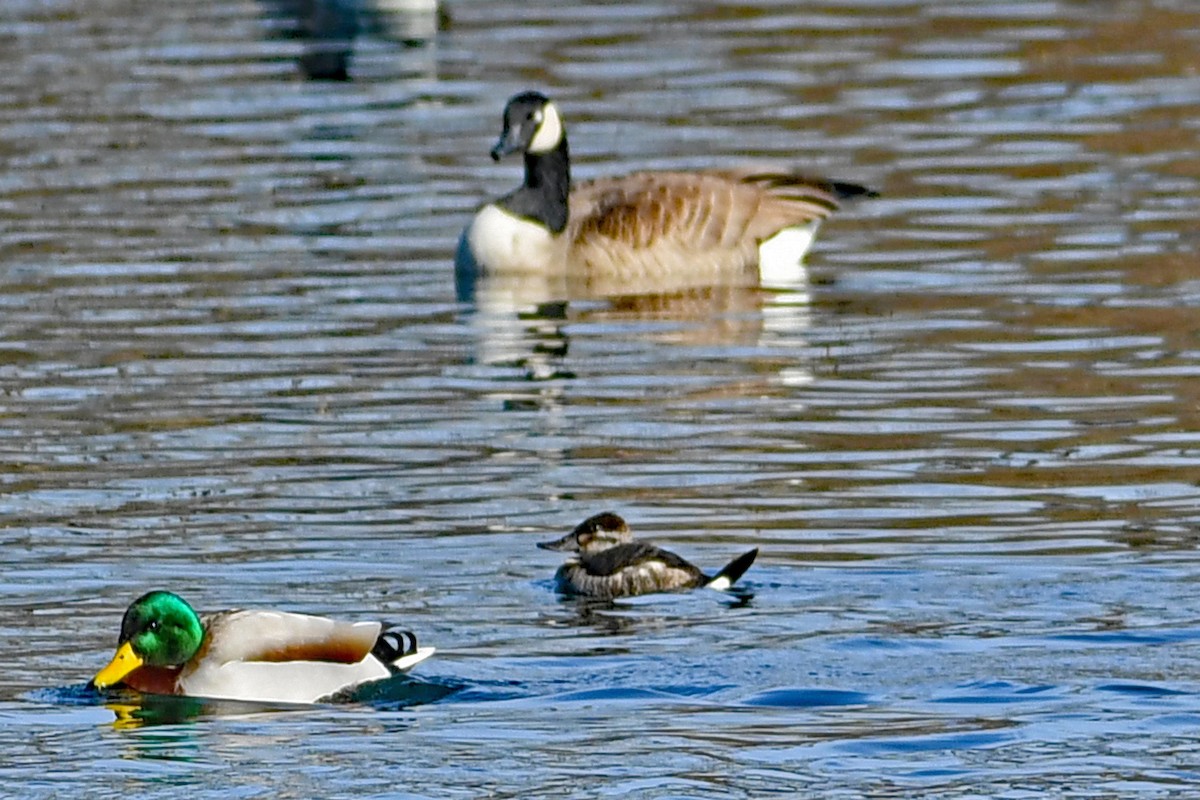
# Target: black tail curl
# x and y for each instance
(394, 643)
(849, 191)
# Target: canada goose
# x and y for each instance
(670, 230)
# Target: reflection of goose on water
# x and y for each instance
(329, 28)
(410, 22)
(516, 324)
(646, 232)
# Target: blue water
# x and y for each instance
(233, 364)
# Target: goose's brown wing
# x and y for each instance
(794, 198)
(672, 231)
(700, 210)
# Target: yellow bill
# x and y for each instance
(123, 663)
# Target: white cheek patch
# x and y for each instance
(549, 132)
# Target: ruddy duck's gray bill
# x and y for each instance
(566, 544)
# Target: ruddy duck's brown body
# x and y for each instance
(608, 563)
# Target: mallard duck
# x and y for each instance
(165, 647)
(608, 563)
(670, 229)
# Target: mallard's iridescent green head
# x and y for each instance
(159, 630)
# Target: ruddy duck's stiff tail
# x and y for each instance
(729, 575)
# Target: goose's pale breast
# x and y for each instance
(497, 241)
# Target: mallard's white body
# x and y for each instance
(281, 657)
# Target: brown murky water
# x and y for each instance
(232, 363)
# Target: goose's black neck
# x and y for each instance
(543, 196)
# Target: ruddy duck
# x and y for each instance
(610, 564)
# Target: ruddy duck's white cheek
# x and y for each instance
(549, 132)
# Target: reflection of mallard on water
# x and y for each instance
(135, 710)
(155, 709)
(165, 647)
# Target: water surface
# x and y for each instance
(232, 363)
